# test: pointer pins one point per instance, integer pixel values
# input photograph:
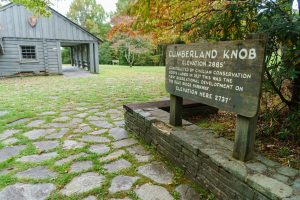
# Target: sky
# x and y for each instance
(62, 6)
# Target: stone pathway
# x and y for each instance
(84, 152)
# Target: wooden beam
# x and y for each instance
(176, 110)
(245, 138)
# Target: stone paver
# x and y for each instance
(94, 118)
(124, 143)
(101, 124)
(19, 121)
(98, 132)
(157, 172)
(81, 166)
(70, 158)
(90, 198)
(99, 149)
(46, 145)
(8, 152)
(38, 133)
(117, 165)
(10, 141)
(139, 153)
(58, 135)
(112, 156)
(72, 144)
(62, 119)
(38, 158)
(35, 123)
(82, 129)
(71, 130)
(153, 192)
(118, 133)
(120, 123)
(122, 183)
(8, 133)
(36, 173)
(93, 139)
(187, 192)
(83, 183)
(20, 191)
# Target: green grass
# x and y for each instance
(115, 86)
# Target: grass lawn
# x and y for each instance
(79, 104)
(115, 86)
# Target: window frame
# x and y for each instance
(26, 60)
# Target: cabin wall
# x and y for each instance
(14, 22)
(47, 52)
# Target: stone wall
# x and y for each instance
(207, 159)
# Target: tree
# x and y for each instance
(168, 21)
(132, 47)
(89, 15)
(38, 7)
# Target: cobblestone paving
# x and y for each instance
(82, 151)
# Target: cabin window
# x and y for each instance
(28, 52)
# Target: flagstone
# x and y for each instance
(157, 172)
(58, 135)
(139, 153)
(153, 192)
(38, 133)
(81, 166)
(21, 191)
(98, 132)
(99, 149)
(82, 129)
(72, 144)
(35, 123)
(10, 141)
(118, 133)
(19, 121)
(70, 158)
(122, 183)
(117, 165)
(124, 143)
(102, 124)
(62, 119)
(82, 115)
(94, 118)
(113, 156)
(39, 172)
(46, 145)
(38, 157)
(187, 192)
(97, 139)
(8, 152)
(83, 183)
(120, 123)
(8, 133)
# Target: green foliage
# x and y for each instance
(132, 48)
(106, 53)
(66, 55)
(38, 7)
(90, 15)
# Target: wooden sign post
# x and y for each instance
(225, 75)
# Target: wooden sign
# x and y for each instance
(227, 75)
